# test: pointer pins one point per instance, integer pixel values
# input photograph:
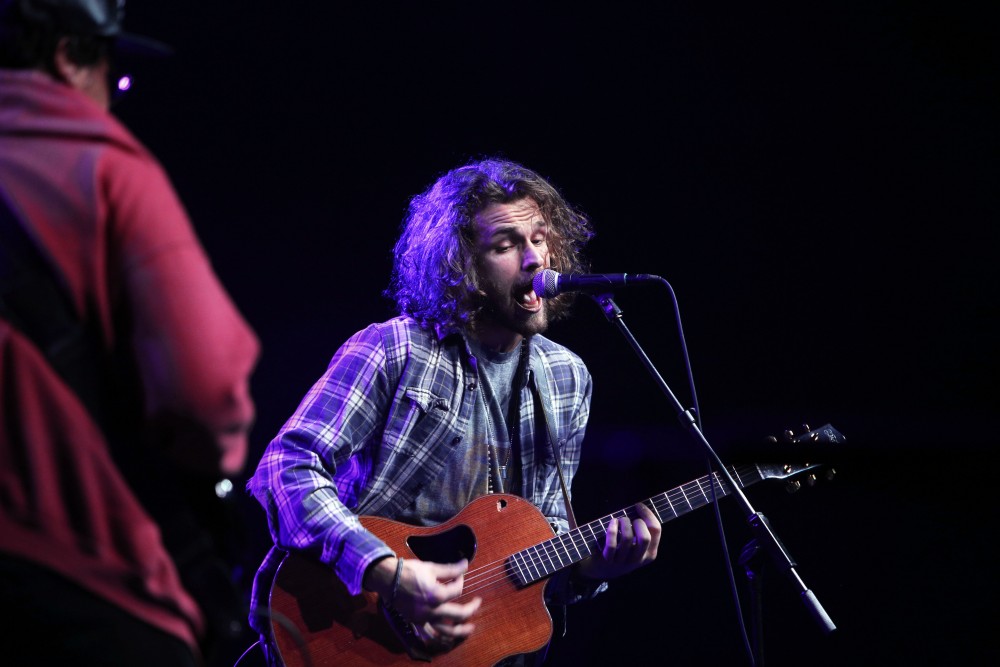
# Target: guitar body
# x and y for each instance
(316, 622)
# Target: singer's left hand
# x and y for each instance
(628, 545)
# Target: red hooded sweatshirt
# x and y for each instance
(106, 215)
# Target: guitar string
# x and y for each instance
(541, 552)
(540, 557)
(540, 560)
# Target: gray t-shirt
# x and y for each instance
(466, 475)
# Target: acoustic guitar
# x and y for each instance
(511, 551)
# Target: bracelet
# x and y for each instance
(395, 580)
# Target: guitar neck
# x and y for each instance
(539, 561)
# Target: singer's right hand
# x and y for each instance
(426, 597)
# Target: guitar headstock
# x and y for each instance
(795, 474)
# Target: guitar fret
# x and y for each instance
(676, 498)
(526, 564)
(544, 560)
(533, 563)
(672, 510)
(593, 537)
(572, 541)
(717, 488)
(517, 560)
(652, 505)
(691, 494)
(702, 490)
(559, 548)
(724, 490)
(541, 560)
(681, 489)
(587, 548)
(548, 557)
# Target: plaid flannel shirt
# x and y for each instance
(379, 425)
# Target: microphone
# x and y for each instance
(548, 283)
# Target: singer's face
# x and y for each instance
(512, 246)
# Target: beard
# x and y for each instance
(500, 309)
(526, 324)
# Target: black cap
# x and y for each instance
(100, 18)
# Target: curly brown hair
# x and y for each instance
(435, 279)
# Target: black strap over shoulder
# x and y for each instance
(34, 299)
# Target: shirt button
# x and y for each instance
(472, 386)
(456, 440)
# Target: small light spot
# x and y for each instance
(223, 488)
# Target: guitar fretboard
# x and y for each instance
(539, 561)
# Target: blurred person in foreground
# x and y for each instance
(124, 364)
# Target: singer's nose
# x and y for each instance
(534, 258)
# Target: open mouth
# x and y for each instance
(527, 299)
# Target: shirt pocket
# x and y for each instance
(418, 417)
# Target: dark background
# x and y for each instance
(816, 181)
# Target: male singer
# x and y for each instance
(454, 398)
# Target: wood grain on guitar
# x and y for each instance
(511, 550)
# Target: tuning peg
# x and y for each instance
(789, 435)
(811, 480)
(805, 428)
(793, 486)
(771, 440)
(830, 474)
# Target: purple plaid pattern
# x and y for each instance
(381, 422)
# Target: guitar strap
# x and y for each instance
(570, 517)
(560, 615)
(554, 443)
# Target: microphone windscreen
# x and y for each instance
(546, 283)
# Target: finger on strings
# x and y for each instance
(611, 535)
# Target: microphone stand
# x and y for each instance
(759, 525)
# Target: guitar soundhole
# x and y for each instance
(450, 546)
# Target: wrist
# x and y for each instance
(380, 575)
